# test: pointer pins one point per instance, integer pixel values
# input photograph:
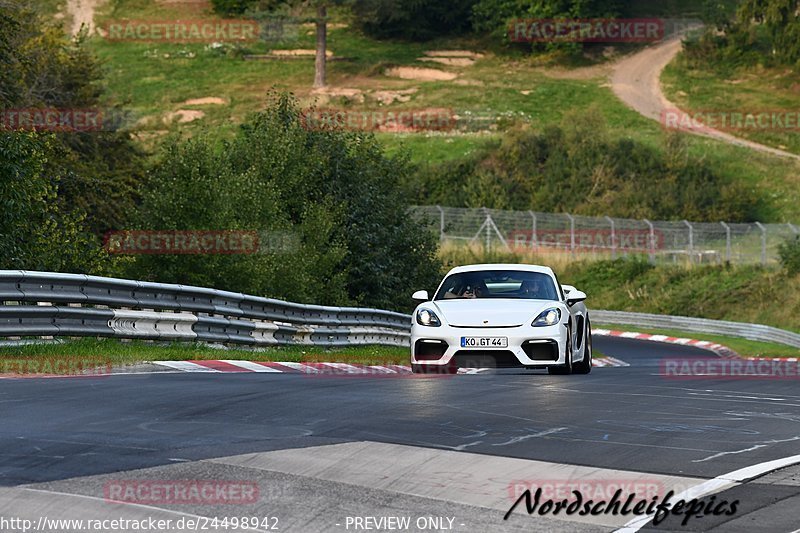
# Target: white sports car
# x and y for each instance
(501, 316)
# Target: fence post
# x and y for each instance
(727, 241)
(652, 247)
(571, 232)
(441, 223)
(613, 237)
(691, 240)
(763, 242)
(488, 225)
(534, 240)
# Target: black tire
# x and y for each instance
(566, 368)
(585, 365)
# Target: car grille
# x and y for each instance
(486, 359)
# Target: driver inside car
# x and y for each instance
(477, 290)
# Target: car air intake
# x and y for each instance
(429, 349)
(541, 351)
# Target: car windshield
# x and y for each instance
(498, 284)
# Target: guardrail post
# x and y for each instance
(534, 240)
(763, 242)
(652, 247)
(727, 241)
(441, 223)
(613, 238)
(691, 240)
(571, 233)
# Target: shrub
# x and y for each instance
(335, 191)
(580, 168)
(789, 254)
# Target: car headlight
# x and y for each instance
(426, 317)
(548, 317)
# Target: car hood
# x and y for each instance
(489, 313)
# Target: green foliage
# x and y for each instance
(416, 20)
(789, 254)
(579, 168)
(336, 192)
(762, 32)
(35, 232)
(232, 7)
(42, 68)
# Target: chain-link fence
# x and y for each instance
(606, 237)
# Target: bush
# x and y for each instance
(336, 192)
(418, 20)
(35, 232)
(789, 254)
(580, 168)
(232, 7)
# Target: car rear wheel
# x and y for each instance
(566, 368)
(585, 366)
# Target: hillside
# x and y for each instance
(190, 87)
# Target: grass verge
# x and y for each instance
(59, 358)
(120, 353)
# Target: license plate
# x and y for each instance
(484, 342)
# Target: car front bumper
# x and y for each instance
(528, 346)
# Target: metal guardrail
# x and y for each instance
(37, 304)
(755, 332)
(53, 304)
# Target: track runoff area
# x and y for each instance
(625, 448)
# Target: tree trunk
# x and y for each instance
(320, 65)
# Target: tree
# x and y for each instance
(321, 59)
(43, 68)
(335, 191)
(35, 232)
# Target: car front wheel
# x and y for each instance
(585, 366)
(566, 368)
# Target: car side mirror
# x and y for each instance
(575, 296)
(421, 296)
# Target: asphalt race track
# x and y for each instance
(336, 453)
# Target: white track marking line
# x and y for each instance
(185, 366)
(248, 365)
(717, 484)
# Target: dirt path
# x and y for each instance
(82, 12)
(636, 81)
